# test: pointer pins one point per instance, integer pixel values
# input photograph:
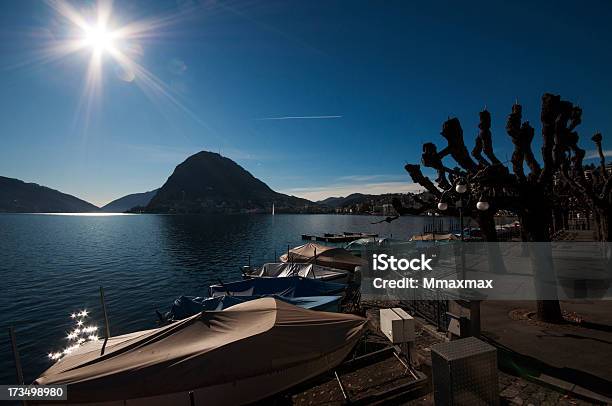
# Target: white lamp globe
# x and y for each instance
(442, 206)
(461, 188)
(482, 206)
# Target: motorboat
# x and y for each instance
(243, 354)
(292, 287)
(186, 306)
(305, 270)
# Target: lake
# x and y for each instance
(53, 265)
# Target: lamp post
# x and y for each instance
(459, 206)
(460, 188)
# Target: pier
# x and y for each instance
(338, 238)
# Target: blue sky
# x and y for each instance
(380, 78)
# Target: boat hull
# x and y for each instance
(243, 391)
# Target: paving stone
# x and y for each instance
(531, 389)
(540, 395)
(510, 392)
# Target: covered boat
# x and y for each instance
(312, 271)
(332, 257)
(186, 306)
(293, 286)
(377, 245)
(239, 355)
(434, 237)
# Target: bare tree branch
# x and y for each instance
(432, 159)
(452, 131)
(597, 138)
(417, 176)
(484, 141)
(522, 137)
(548, 115)
(527, 134)
(513, 128)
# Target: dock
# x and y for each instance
(344, 237)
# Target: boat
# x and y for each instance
(375, 245)
(186, 306)
(338, 238)
(240, 355)
(285, 269)
(434, 237)
(292, 287)
(333, 257)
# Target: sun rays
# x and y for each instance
(107, 43)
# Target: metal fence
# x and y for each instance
(430, 305)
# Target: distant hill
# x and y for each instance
(331, 201)
(125, 203)
(208, 182)
(354, 198)
(359, 203)
(17, 196)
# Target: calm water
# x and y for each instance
(52, 265)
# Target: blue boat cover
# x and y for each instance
(293, 286)
(186, 306)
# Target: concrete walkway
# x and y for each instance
(580, 353)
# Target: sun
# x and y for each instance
(108, 40)
(98, 38)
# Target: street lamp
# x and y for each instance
(442, 206)
(459, 205)
(460, 188)
(482, 205)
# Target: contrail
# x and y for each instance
(299, 118)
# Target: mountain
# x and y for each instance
(125, 203)
(359, 203)
(17, 196)
(332, 201)
(354, 198)
(208, 182)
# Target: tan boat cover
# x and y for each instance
(434, 237)
(252, 339)
(327, 256)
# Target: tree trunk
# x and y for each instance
(486, 222)
(558, 219)
(535, 222)
(604, 224)
(549, 311)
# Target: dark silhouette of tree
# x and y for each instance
(536, 197)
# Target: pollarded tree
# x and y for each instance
(486, 180)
